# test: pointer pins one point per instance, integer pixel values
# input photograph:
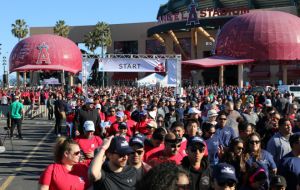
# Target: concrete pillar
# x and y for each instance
(31, 78)
(284, 74)
(221, 76)
(240, 75)
(18, 79)
(194, 43)
(24, 78)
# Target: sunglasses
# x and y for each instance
(254, 142)
(195, 148)
(173, 145)
(121, 155)
(227, 183)
(76, 153)
(222, 119)
(211, 133)
(139, 152)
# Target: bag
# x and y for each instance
(63, 114)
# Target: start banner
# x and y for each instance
(132, 65)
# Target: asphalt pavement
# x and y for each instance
(24, 160)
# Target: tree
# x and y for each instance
(99, 37)
(61, 28)
(20, 29)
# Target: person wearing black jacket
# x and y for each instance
(197, 164)
(87, 113)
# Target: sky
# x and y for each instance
(74, 12)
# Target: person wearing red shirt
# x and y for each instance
(141, 126)
(122, 131)
(66, 172)
(101, 114)
(151, 126)
(88, 142)
(169, 153)
(111, 117)
(114, 128)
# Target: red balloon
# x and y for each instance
(45, 52)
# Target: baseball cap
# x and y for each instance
(224, 172)
(195, 140)
(122, 125)
(193, 111)
(17, 97)
(89, 126)
(98, 106)
(212, 113)
(268, 103)
(89, 101)
(119, 145)
(144, 112)
(136, 141)
(172, 100)
(278, 181)
(152, 124)
(120, 114)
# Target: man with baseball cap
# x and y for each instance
(136, 158)
(278, 182)
(88, 142)
(169, 153)
(224, 177)
(87, 113)
(196, 162)
(114, 173)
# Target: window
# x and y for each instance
(154, 47)
(126, 47)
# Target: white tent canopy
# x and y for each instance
(151, 80)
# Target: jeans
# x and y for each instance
(14, 123)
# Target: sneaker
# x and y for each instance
(58, 135)
(20, 138)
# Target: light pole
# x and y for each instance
(103, 78)
(5, 78)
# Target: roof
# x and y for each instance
(216, 61)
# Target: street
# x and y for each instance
(24, 160)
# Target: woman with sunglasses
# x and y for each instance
(213, 141)
(66, 172)
(235, 156)
(256, 155)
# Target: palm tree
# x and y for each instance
(91, 42)
(61, 28)
(100, 36)
(20, 29)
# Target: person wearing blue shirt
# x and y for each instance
(256, 155)
(225, 133)
(213, 142)
(279, 144)
(290, 164)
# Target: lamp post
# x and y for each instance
(4, 72)
(103, 78)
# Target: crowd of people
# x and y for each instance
(206, 137)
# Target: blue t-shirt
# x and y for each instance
(266, 161)
(213, 145)
(290, 169)
(226, 134)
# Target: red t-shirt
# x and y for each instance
(158, 158)
(57, 177)
(88, 145)
(114, 128)
(150, 150)
(141, 127)
(111, 119)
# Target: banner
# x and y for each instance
(131, 65)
